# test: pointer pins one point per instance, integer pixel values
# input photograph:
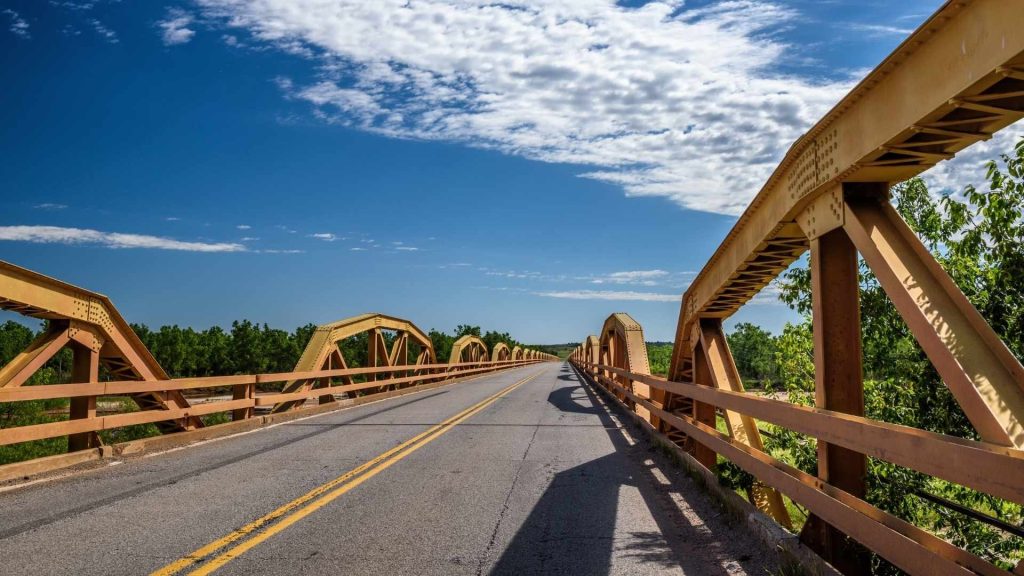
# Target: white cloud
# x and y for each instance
(50, 206)
(517, 274)
(243, 227)
(878, 30)
(661, 99)
(272, 251)
(175, 27)
(641, 277)
(104, 32)
(76, 6)
(18, 26)
(172, 219)
(611, 295)
(357, 249)
(248, 239)
(61, 235)
(407, 248)
(968, 167)
(325, 236)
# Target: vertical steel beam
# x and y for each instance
(839, 385)
(725, 376)
(85, 367)
(702, 412)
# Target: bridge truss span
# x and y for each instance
(955, 81)
(397, 355)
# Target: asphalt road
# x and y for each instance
(537, 478)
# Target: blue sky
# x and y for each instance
(525, 166)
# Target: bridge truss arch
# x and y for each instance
(590, 350)
(501, 352)
(323, 351)
(468, 349)
(621, 345)
(517, 353)
(98, 336)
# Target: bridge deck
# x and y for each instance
(540, 480)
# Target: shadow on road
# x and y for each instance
(572, 528)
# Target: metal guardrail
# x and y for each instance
(99, 338)
(989, 468)
(243, 387)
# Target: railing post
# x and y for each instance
(838, 384)
(85, 368)
(242, 392)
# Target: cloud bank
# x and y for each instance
(61, 235)
(662, 100)
(621, 295)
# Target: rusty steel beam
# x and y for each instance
(84, 318)
(838, 386)
(953, 82)
(986, 467)
(469, 348)
(622, 345)
(743, 428)
(323, 351)
(984, 376)
(501, 352)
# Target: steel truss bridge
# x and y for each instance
(954, 82)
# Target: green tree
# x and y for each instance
(491, 338)
(754, 351)
(14, 338)
(659, 356)
(247, 347)
(218, 352)
(442, 344)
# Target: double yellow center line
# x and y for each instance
(259, 530)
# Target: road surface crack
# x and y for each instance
(508, 496)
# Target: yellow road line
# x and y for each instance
(346, 481)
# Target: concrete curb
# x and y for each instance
(792, 553)
(25, 471)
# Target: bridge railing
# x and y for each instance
(989, 468)
(103, 346)
(244, 398)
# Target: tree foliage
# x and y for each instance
(753, 349)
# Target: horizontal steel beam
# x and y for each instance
(953, 82)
